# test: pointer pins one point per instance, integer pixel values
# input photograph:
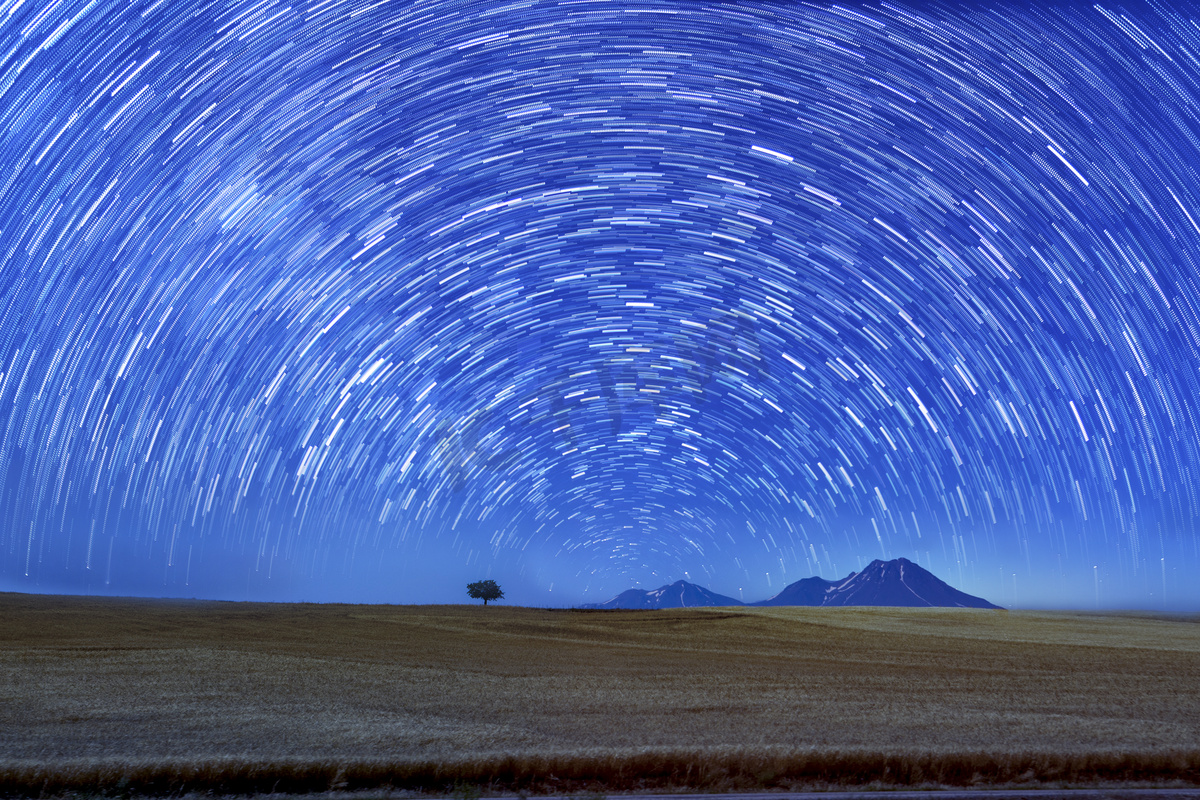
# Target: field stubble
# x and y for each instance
(163, 696)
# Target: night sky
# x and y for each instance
(366, 300)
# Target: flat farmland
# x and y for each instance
(163, 696)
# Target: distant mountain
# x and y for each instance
(899, 582)
(807, 592)
(679, 594)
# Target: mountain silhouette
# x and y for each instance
(807, 592)
(898, 582)
(679, 594)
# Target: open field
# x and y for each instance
(160, 696)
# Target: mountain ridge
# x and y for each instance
(897, 583)
(680, 594)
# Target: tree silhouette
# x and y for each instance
(485, 590)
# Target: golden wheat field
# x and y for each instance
(162, 696)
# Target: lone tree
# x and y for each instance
(485, 590)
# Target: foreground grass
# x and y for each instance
(165, 697)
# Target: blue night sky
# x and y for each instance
(365, 300)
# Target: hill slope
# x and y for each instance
(109, 697)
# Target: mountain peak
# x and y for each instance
(897, 582)
(679, 594)
(900, 582)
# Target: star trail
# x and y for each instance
(362, 300)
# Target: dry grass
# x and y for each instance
(165, 696)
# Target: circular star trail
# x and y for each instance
(597, 293)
